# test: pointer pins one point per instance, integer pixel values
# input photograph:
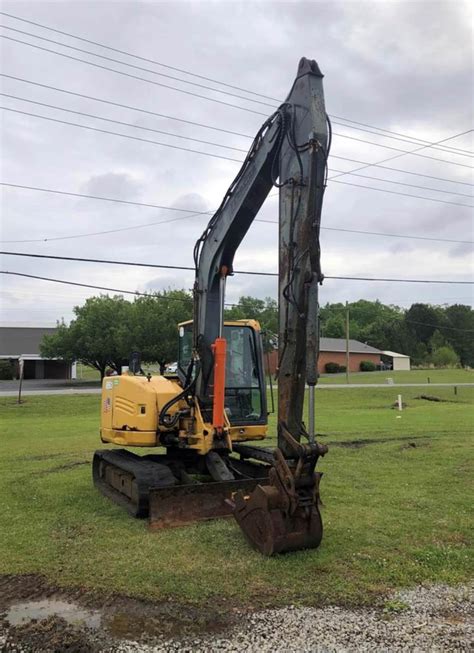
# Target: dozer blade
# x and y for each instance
(186, 504)
(270, 528)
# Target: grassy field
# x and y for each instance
(412, 376)
(398, 508)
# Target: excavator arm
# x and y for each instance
(290, 152)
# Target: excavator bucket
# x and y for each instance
(282, 515)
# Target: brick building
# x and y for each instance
(333, 350)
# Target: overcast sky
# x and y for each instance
(401, 66)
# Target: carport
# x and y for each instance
(22, 345)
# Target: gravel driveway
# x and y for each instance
(436, 618)
(432, 619)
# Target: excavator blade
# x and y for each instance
(186, 504)
(270, 528)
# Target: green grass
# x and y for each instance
(411, 376)
(395, 514)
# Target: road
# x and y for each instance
(10, 388)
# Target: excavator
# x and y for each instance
(202, 419)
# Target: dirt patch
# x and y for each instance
(433, 398)
(357, 444)
(62, 468)
(43, 456)
(414, 445)
(52, 635)
(115, 617)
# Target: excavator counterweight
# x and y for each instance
(217, 402)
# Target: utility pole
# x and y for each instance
(347, 342)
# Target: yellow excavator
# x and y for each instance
(202, 419)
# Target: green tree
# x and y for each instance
(437, 340)
(445, 357)
(334, 327)
(94, 337)
(154, 327)
(106, 330)
(263, 310)
(460, 334)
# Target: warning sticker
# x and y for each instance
(107, 405)
(109, 385)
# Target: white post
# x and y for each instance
(400, 405)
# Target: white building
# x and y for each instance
(400, 362)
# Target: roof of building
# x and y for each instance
(15, 341)
(393, 354)
(339, 345)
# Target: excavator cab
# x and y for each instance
(245, 387)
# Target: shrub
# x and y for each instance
(334, 368)
(6, 370)
(367, 366)
(445, 357)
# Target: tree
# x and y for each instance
(154, 328)
(445, 357)
(265, 311)
(94, 337)
(107, 329)
(460, 334)
(334, 327)
(423, 320)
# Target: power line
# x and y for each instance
(249, 272)
(122, 72)
(203, 77)
(125, 124)
(146, 70)
(397, 156)
(107, 47)
(432, 146)
(94, 287)
(212, 143)
(212, 127)
(130, 137)
(192, 213)
(365, 164)
(90, 63)
(107, 231)
(125, 106)
(405, 152)
(439, 326)
(413, 139)
(209, 154)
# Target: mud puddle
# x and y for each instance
(38, 616)
(21, 613)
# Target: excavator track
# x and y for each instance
(146, 487)
(127, 479)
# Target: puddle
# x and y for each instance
(22, 613)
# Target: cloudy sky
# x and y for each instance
(399, 66)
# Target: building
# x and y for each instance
(23, 344)
(397, 362)
(333, 350)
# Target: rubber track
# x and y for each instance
(147, 473)
(263, 454)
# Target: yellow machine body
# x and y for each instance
(131, 405)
